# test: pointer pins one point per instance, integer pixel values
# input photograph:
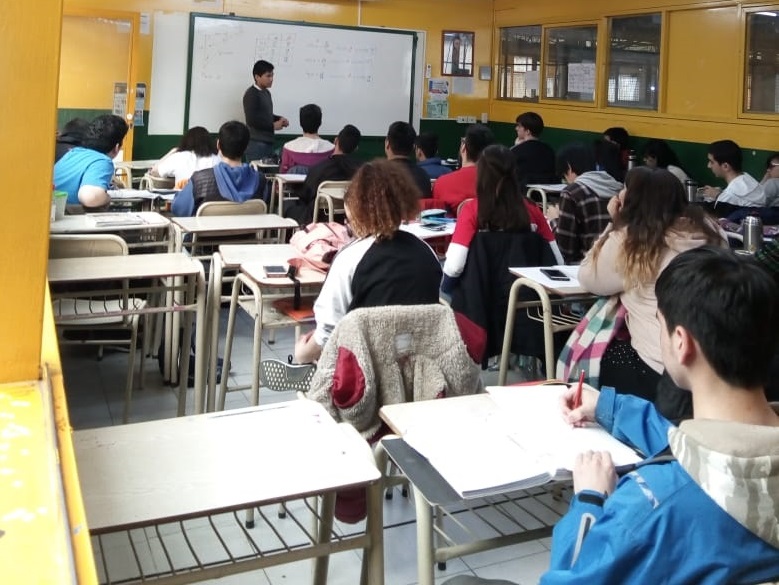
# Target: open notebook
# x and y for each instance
(522, 443)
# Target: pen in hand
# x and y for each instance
(577, 398)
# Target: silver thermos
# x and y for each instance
(753, 233)
(691, 188)
(632, 159)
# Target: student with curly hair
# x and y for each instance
(383, 265)
(651, 224)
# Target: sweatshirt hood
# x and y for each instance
(681, 238)
(601, 183)
(737, 465)
(236, 183)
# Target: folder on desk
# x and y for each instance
(115, 219)
(524, 443)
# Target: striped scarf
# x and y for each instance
(588, 342)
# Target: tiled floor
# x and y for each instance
(95, 398)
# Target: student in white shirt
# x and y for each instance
(725, 160)
(195, 152)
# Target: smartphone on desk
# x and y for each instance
(275, 271)
(554, 274)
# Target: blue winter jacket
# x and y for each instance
(711, 516)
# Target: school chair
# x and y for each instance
(71, 304)
(150, 182)
(330, 197)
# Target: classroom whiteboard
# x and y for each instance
(357, 76)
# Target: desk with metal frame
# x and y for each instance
(263, 290)
(541, 310)
(153, 230)
(542, 191)
(280, 181)
(228, 225)
(150, 482)
(169, 273)
(462, 527)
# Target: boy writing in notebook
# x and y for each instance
(709, 512)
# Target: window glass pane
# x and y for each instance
(520, 57)
(634, 61)
(570, 63)
(762, 68)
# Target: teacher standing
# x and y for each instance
(258, 109)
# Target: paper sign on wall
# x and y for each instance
(120, 98)
(140, 103)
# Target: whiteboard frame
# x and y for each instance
(191, 42)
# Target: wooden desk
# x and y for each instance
(154, 232)
(165, 271)
(227, 225)
(463, 527)
(161, 472)
(570, 292)
(259, 304)
(280, 181)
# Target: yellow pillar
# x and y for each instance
(29, 70)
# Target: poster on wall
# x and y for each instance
(140, 103)
(120, 99)
(437, 109)
(438, 89)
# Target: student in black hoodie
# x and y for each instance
(340, 166)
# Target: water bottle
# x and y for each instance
(631, 159)
(691, 188)
(753, 233)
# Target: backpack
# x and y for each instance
(317, 244)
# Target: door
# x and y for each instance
(96, 72)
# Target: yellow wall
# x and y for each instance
(432, 16)
(28, 74)
(701, 78)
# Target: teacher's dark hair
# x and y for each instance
(261, 67)
(233, 139)
(728, 303)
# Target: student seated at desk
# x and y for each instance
(195, 152)
(230, 180)
(742, 190)
(71, 135)
(426, 149)
(399, 148)
(339, 166)
(651, 224)
(657, 154)
(535, 159)
(456, 187)
(708, 513)
(309, 149)
(85, 172)
(582, 211)
(384, 265)
(498, 206)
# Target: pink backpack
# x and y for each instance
(318, 243)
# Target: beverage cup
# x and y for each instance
(60, 202)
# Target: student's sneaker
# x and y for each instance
(282, 377)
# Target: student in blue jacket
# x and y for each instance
(711, 513)
(229, 180)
